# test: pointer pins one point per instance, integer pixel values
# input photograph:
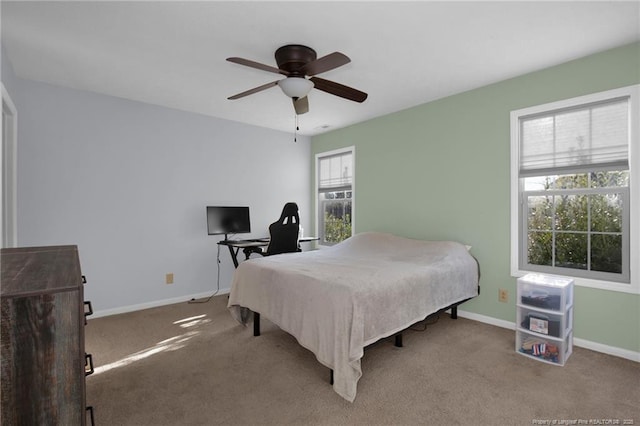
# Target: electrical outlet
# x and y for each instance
(503, 295)
(168, 278)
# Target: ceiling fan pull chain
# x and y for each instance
(295, 133)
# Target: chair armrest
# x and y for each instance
(248, 250)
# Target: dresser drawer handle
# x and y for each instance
(84, 279)
(88, 364)
(87, 305)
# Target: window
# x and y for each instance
(334, 187)
(575, 189)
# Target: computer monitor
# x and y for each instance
(228, 220)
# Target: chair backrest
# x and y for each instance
(284, 232)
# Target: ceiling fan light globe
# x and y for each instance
(295, 87)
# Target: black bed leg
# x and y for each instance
(256, 324)
(398, 343)
(331, 378)
(454, 312)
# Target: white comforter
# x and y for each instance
(337, 300)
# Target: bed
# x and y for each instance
(338, 300)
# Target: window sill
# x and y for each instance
(632, 287)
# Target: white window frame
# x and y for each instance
(320, 155)
(633, 93)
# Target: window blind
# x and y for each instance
(576, 139)
(335, 172)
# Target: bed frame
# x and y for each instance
(397, 337)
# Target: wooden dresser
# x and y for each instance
(42, 332)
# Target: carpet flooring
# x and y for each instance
(192, 364)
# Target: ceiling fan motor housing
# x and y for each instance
(293, 57)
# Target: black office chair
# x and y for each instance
(284, 232)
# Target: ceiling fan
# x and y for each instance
(297, 62)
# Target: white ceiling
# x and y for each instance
(402, 53)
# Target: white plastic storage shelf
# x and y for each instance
(544, 327)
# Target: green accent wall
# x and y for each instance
(441, 171)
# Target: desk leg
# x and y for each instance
(234, 257)
(256, 324)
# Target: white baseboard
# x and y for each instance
(587, 344)
(610, 350)
(154, 304)
(487, 320)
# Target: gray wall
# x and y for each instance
(128, 183)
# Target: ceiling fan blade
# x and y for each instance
(254, 90)
(258, 65)
(324, 64)
(301, 105)
(339, 89)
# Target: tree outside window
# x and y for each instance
(579, 224)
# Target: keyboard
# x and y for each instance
(257, 240)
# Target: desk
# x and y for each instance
(252, 246)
